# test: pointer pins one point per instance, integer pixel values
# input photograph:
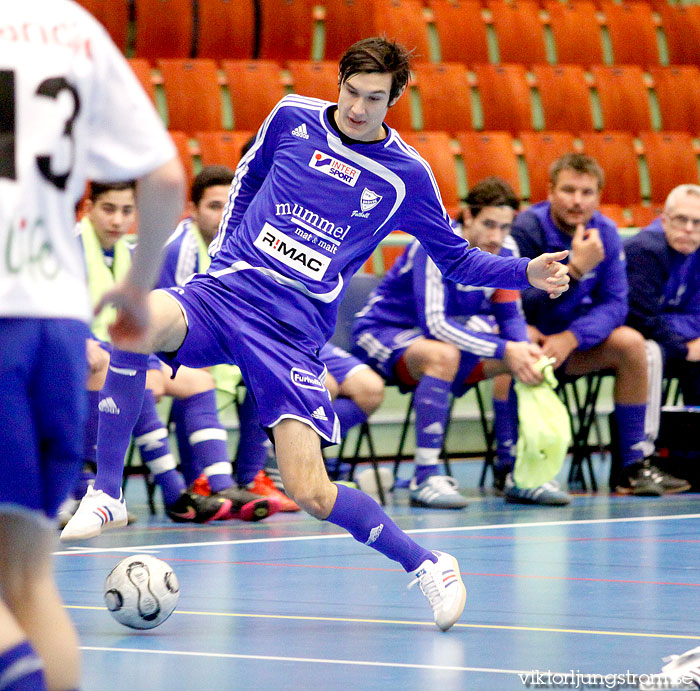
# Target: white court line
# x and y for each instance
(343, 536)
(321, 661)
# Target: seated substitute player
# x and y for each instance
(584, 331)
(71, 108)
(319, 189)
(422, 332)
(663, 270)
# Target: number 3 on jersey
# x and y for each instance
(49, 88)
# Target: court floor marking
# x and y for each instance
(408, 622)
(344, 536)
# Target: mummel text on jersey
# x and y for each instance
(308, 206)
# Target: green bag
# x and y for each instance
(544, 433)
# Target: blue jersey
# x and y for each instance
(183, 255)
(664, 299)
(414, 294)
(308, 206)
(592, 307)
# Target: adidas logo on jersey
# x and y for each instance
(319, 414)
(300, 131)
(107, 405)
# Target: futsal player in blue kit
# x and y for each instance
(70, 109)
(319, 189)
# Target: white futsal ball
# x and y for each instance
(141, 591)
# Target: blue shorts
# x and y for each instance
(279, 364)
(383, 348)
(339, 362)
(43, 410)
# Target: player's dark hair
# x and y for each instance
(100, 188)
(491, 191)
(209, 176)
(377, 54)
(579, 163)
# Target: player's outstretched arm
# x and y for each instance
(546, 273)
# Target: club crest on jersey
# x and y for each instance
(306, 380)
(368, 201)
(292, 253)
(335, 168)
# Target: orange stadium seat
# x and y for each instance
(565, 97)
(113, 15)
(404, 21)
(318, 79)
(632, 33)
(643, 214)
(461, 31)
(436, 149)
(623, 96)
(182, 144)
(345, 22)
(681, 27)
(540, 149)
(286, 29)
(164, 29)
(388, 253)
(445, 96)
(192, 93)
(221, 148)
(519, 31)
(616, 154)
(489, 153)
(670, 160)
(576, 32)
(615, 212)
(255, 87)
(143, 72)
(677, 90)
(400, 114)
(225, 29)
(505, 97)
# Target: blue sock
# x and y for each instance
(431, 404)
(630, 428)
(207, 440)
(505, 427)
(121, 398)
(177, 419)
(365, 520)
(21, 669)
(349, 414)
(151, 437)
(251, 454)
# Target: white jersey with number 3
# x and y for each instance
(70, 110)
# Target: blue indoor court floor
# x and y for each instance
(609, 585)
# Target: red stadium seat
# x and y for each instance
(677, 90)
(182, 144)
(681, 27)
(461, 31)
(317, 79)
(255, 87)
(164, 29)
(616, 154)
(505, 97)
(221, 148)
(286, 29)
(565, 97)
(519, 31)
(225, 29)
(576, 32)
(670, 160)
(113, 15)
(345, 22)
(616, 213)
(489, 153)
(623, 96)
(436, 149)
(643, 214)
(540, 150)
(192, 93)
(445, 96)
(142, 70)
(405, 22)
(632, 33)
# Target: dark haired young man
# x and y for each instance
(316, 193)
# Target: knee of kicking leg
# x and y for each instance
(316, 498)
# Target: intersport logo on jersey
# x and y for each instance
(335, 168)
(292, 253)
